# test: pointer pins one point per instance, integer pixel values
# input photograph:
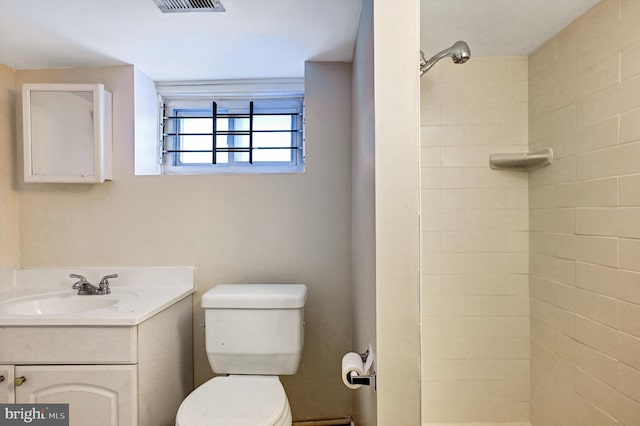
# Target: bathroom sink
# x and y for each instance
(43, 297)
(56, 303)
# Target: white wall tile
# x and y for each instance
(487, 220)
(542, 197)
(442, 220)
(517, 68)
(588, 359)
(629, 318)
(473, 113)
(596, 335)
(600, 76)
(609, 102)
(562, 170)
(504, 91)
(590, 193)
(430, 157)
(630, 61)
(517, 198)
(430, 115)
(602, 395)
(630, 190)
(463, 242)
(628, 379)
(601, 280)
(474, 283)
(598, 250)
(468, 156)
(615, 161)
(486, 178)
(543, 58)
(629, 350)
(543, 243)
(589, 138)
(561, 70)
(553, 268)
(433, 135)
(630, 126)
(503, 134)
(596, 307)
(464, 284)
(630, 254)
(435, 178)
(615, 222)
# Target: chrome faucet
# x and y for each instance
(84, 287)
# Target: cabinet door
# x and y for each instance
(98, 395)
(6, 384)
(67, 133)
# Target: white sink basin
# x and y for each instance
(55, 304)
(43, 297)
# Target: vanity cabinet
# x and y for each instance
(109, 375)
(67, 133)
(102, 395)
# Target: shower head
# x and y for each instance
(459, 52)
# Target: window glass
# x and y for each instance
(249, 136)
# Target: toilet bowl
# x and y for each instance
(253, 334)
(236, 401)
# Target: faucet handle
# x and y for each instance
(104, 283)
(106, 278)
(81, 280)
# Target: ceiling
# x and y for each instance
(495, 27)
(253, 38)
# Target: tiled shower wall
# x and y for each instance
(475, 244)
(584, 94)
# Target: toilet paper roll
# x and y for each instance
(351, 364)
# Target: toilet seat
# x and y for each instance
(236, 401)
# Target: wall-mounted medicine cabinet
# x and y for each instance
(67, 133)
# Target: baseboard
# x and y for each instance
(478, 424)
(325, 422)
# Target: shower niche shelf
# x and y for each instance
(521, 161)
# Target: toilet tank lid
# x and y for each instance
(255, 296)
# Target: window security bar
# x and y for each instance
(243, 149)
(234, 115)
(233, 132)
(215, 132)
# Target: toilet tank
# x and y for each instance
(254, 328)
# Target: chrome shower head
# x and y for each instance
(459, 52)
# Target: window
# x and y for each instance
(232, 135)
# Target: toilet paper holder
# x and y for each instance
(364, 379)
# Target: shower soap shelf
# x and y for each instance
(521, 161)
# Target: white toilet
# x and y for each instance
(253, 333)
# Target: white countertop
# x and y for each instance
(138, 293)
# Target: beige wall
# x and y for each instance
(584, 91)
(363, 210)
(285, 228)
(475, 307)
(396, 100)
(9, 220)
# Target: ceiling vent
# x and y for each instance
(178, 6)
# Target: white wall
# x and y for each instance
(9, 220)
(291, 228)
(363, 209)
(475, 304)
(396, 99)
